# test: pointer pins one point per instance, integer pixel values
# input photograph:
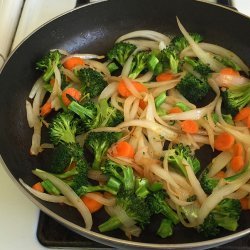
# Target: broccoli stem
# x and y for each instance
(89, 189)
(80, 110)
(109, 225)
(129, 179)
(50, 187)
(182, 106)
(152, 62)
(114, 184)
(160, 99)
(156, 186)
(165, 228)
(67, 174)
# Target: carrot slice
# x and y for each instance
(190, 126)
(143, 104)
(224, 141)
(175, 110)
(229, 71)
(220, 175)
(92, 204)
(72, 62)
(238, 149)
(243, 114)
(166, 76)
(244, 203)
(123, 90)
(124, 149)
(38, 187)
(74, 93)
(46, 109)
(237, 163)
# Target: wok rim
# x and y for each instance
(99, 237)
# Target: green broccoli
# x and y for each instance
(92, 82)
(139, 63)
(180, 42)
(165, 229)
(225, 215)
(63, 155)
(135, 208)
(46, 64)
(63, 128)
(192, 88)
(98, 143)
(123, 174)
(208, 183)
(235, 98)
(158, 205)
(183, 152)
(121, 52)
(198, 66)
(94, 115)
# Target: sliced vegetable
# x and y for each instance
(224, 141)
(74, 93)
(72, 62)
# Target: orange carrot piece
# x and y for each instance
(224, 141)
(238, 149)
(244, 203)
(143, 104)
(52, 81)
(123, 90)
(92, 204)
(190, 126)
(74, 93)
(166, 76)
(229, 71)
(175, 110)
(124, 149)
(243, 114)
(237, 163)
(46, 109)
(73, 62)
(220, 175)
(247, 121)
(38, 187)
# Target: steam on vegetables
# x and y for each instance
(125, 128)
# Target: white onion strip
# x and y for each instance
(68, 192)
(30, 114)
(99, 198)
(70, 75)
(46, 197)
(39, 83)
(108, 91)
(157, 128)
(149, 34)
(204, 56)
(219, 162)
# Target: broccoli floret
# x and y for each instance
(135, 208)
(183, 152)
(63, 155)
(192, 88)
(47, 62)
(170, 59)
(63, 128)
(121, 52)
(225, 215)
(198, 66)
(139, 63)
(180, 42)
(122, 173)
(235, 98)
(158, 205)
(94, 115)
(98, 143)
(77, 176)
(92, 82)
(208, 183)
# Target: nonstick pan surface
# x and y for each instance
(93, 29)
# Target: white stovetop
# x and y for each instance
(18, 215)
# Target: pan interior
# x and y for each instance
(93, 29)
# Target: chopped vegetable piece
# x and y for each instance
(224, 141)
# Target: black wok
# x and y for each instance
(93, 29)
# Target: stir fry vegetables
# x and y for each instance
(125, 131)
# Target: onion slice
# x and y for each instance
(68, 192)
